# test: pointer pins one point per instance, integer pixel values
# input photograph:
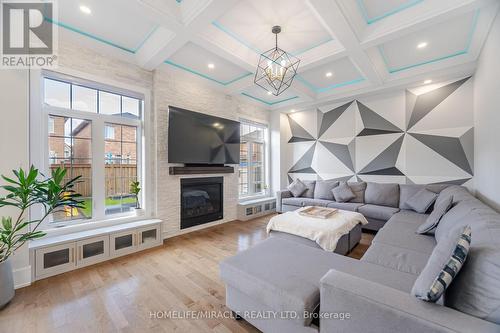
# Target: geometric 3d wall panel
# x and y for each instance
(355, 141)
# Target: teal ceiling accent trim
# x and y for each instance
(192, 71)
(456, 54)
(99, 39)
(236, 37)
(330, 87)
(248, 45)
(266, 102)
(389, 13)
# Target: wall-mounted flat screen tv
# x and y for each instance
(197, 138)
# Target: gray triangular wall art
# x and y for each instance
(331, 117)
(341, 152)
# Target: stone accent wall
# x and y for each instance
(174, 88)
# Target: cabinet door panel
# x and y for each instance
(55, 259)
(92, 250)
(149, 237)
(123, 243)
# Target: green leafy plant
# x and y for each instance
(135, 189)
(25, 190)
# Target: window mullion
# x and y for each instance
(98, 169)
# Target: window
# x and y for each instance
(109, 132)
(252, 170)
(94, 134)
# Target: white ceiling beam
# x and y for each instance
(330, 15)
(161, 45)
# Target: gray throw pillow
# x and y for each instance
(433, 220)
(323, 189)
(422, 200)
(343, 193)
(358, 188)
(443, 265)
(297, 188)
(310, 185)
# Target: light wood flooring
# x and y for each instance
(121, 295)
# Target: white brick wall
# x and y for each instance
(169, 87)
(172, 87)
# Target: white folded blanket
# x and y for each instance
(325, 232)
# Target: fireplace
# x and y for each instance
(201, 200)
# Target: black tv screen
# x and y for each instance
(197, 138)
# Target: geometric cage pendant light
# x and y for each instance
(276, 68)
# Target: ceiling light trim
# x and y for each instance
(100, 39)
(453, 55)
(192, 71)
(249, 45)
(319, 90)
(266, 102)
(396, 10)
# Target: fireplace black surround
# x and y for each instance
(201, 200)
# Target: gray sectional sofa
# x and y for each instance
(281, 285)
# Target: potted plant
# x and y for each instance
(135, 189)
(23, 191)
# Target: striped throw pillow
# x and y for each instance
(440, 270)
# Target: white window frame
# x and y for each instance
(265, 163)
(39, 147)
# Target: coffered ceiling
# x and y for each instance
(346, 47)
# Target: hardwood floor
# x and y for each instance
(125, 295)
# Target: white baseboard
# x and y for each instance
(22, 277)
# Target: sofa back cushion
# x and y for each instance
(323, 189)
(382, 194)
(309, 193)
(476, 289)
(359, 189)
(407, 191)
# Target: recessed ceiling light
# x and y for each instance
(422, 45)
(427, 81)
(269, 93)
(292, 110)
(211, 66)
(85, 10)
(329, 74)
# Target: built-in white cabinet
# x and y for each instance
(92, 251)
(55, 259)
(61, 254)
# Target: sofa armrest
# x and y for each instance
(373, 307)
(282, 195)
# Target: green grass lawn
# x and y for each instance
(87, 210)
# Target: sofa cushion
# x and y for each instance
(459, 193)
(359, 189)
(343, 193)
(476, 289)
(422, 201)
(350, 206)
(382, 194)
(323, 189)
(378, 212)
(310, 184)
(301, 202)
(406, 191)
(397, 258)
(433, 220)
(443, 266)
(297, 188)
(285, 275)
(400, 234)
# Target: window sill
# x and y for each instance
(255, 199)
(55, 230)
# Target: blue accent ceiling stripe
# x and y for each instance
(330, 87)
(456, 54)
(247, 44)
(99, 39)
(192, 71)
(371, 20)
(266, 102)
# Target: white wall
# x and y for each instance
(14, 147)
(487, 120)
